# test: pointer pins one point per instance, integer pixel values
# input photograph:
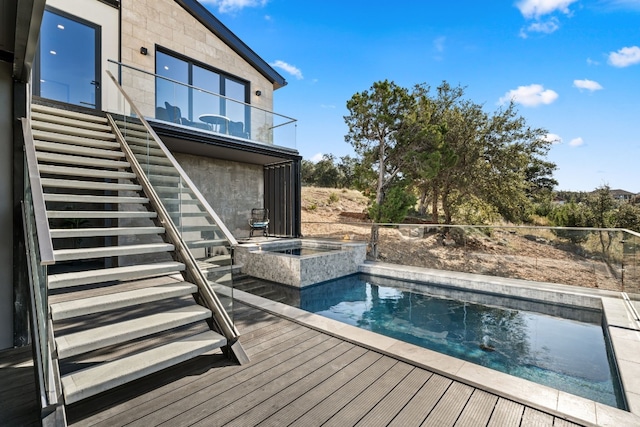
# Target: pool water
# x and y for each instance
(566, 354)
(300, 251)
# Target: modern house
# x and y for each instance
(136, 139)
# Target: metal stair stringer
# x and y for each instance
(193, 273)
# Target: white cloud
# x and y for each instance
(587, 85)
(291, 69)
(227, 6)
(438, 43)
(316, 157)
(592, 62)
(547, 27)
(552, 138)
(537, 8)
(576, 142)
(624, 4)
(530, 96)
(625, 57)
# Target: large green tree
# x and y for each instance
(375, 119)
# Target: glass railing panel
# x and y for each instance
(594, 258)
(163, 99)
(631, 267)
(203, 235)
(38, 282)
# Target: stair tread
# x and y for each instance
(101, 252)
(64, 280)
(104, 336)
(100, 214)
(69, 121)
(68, 113)
(68, 159)
(75, 140)
(206, 243)
(71, 130)
(83, 198)
(77, 149)
(90, 381)
(102, 303)
(59, 233)
(85, 172)
(88, 185)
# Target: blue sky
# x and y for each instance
(573, 67)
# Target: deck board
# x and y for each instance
(297, 376)
(134, 408)
(308, 400)
(210, 401)
(387, 409)
(279, 400)
(451, 404)
(351, 413)
(534, 418)
(478, 410)
(336, 401)
(506, 414)
(418, 408)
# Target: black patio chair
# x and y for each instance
(259, 221)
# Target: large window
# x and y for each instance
(220, 106)
(67, 65)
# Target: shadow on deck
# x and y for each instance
(297, 376)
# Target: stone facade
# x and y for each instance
(231, 188)
(261, 260)
(151, 23)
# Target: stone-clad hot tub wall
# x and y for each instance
(259, 260)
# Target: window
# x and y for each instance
(181, 104)
(67, 63)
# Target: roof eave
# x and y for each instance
(214, 25)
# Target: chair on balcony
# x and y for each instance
(174, 114)
(259, 221)
(237, 129)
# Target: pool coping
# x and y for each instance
(623, 329)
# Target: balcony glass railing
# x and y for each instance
(589, 257)
(163, 99)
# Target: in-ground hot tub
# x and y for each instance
(298, 262)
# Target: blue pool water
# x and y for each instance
(568, 354)
(300, 251)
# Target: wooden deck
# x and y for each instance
(299, 377)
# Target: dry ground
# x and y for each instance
(519, 253)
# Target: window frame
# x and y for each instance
(224, 76)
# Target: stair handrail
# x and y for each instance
(39, 253)
(45, 244)
(183, 175)
(194, 274)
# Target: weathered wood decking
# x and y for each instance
(300, 377)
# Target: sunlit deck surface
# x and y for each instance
(297, 376)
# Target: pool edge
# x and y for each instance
(562, 404)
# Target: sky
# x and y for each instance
(572, 67)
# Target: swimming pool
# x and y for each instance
(521, 338)
(302, 251)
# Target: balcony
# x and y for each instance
(165, 100)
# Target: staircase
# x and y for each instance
(118, 302)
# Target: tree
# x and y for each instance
(375, 118)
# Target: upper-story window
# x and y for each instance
(67, 66)
(193, 94)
